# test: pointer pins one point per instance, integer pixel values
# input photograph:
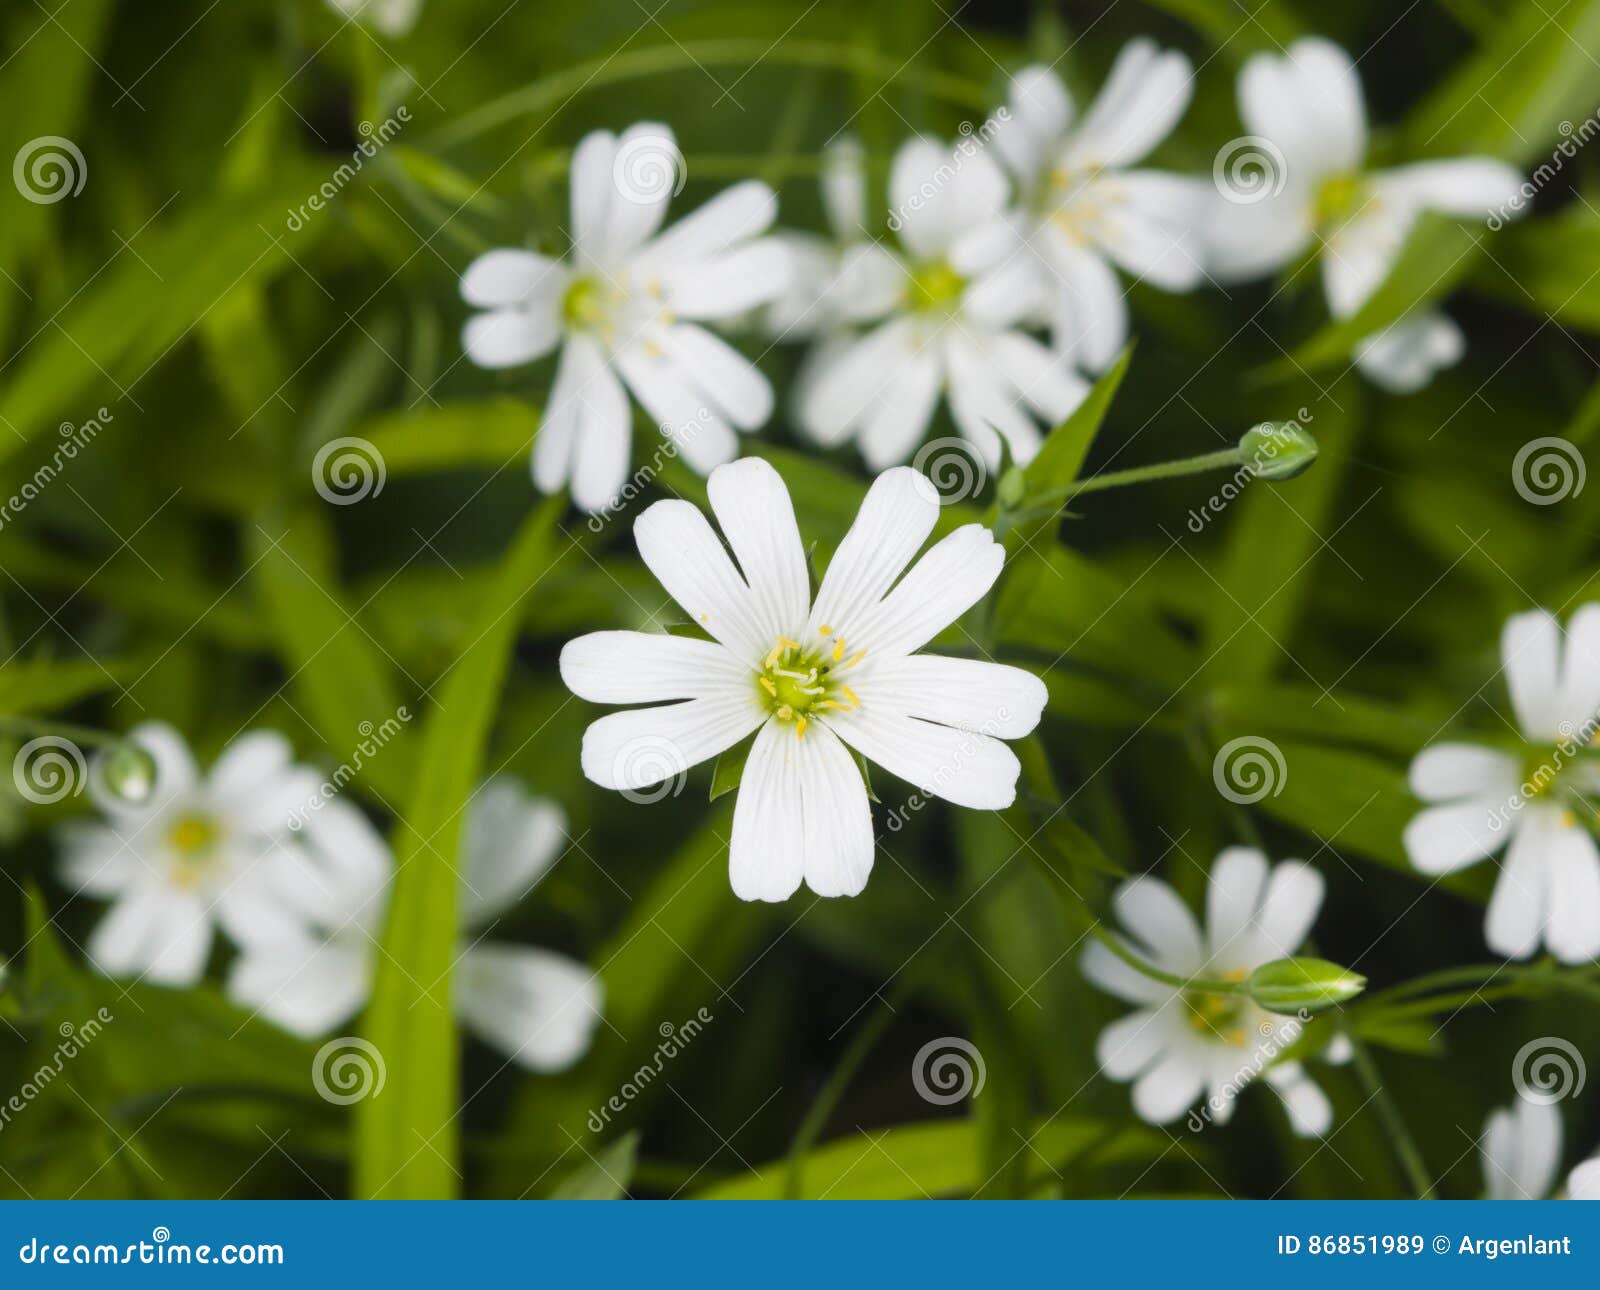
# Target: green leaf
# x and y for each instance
(46, 685)
(488, 435)
(605, 1175)
(729, 770)
(407, 1137)
(1549, 267)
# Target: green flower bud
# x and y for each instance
(1011, 488)
(1278, 449)
(128, 771)
(1293, 985)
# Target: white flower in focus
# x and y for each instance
(392, 18)
(949, 330)
(537, 1007)
(198, 852)
(1308, 106)
(1088, 209)
(1181, 1045)
(811, 679)
(1533, 804)
(626, 308)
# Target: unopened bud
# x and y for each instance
(1293, 985)
(1278, 449)
(129, 772)
(1011, 488)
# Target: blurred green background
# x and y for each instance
(184, 568)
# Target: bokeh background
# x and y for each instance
(184, 567)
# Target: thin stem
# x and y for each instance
(65, 729)
(1219, 460)
(1204, 985)
(1394, 1124)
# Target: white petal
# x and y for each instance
(649, 746)
(1149, 223)
(734, 215)
(248, 762)
(838, 822)
(249, 909)
(727, 285)
(649, 667)
(1168, 1089)
(336, 874)
(1443, 839)
(500, 278)
(1447, 771)
(1292, 902)
(677, 544)
(1521, 1151)
(1240, 241)
(512, 839)
(984, 406)
(307, 986)
(538, 1008)
(963, 767)
(722, 373)
(558, 427)
(1116, 977)
(1310, 1112)
(1358, 256)
(1573, 872)
(1517, 910)
(1530, 648)
(1041, 110)
(645, 169)
(601, 431)
(1309, 103)
(1129, 1044)
(903, 411)
(154, 932)
(755, 514)
(954, 575)
(1580, 672)
(845, 390)
(683, 413)
(1583, 1183)
(844, 188)
(592, 192)
(894, 521)
(1089, 316)
(915, 194)
(766, 857)
(1403, 358)
(969, 694)
(509, 337)
(1233, 899)
(1153, 912)
(1469, 187)
(1144, 96)
(95, 861)
(1043, 378)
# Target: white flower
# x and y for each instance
(811, 680)
(390, 17)
(1521, 1152)
(1087, 209)
(1180, 1045)
(1308, 107)
(628, 303)
(1533, 803)
(197, 852)
(537, 1007)
(950, 328)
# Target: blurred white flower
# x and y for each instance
(1521, 1153)
(1532, 804)
(628, 303)
(811, 680)
(1308, 106)
(390, 17)
(1181, 1045)
(537, 1007)
(196, 853)
(1087, 209)
(946, 321)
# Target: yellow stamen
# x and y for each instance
(826, 630)
(851, 695)
(768, 686)
(800, 728)
(856, 657)
(838, 650)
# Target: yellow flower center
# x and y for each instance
(584, 304)
(194, 840)
(797, 680)
(935, 288)
(1220, 1016)
(1338, 198)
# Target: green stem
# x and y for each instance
(65, 729)
(1201, 984)
(548, 94)
(1218, 460)
(1394, 1124)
